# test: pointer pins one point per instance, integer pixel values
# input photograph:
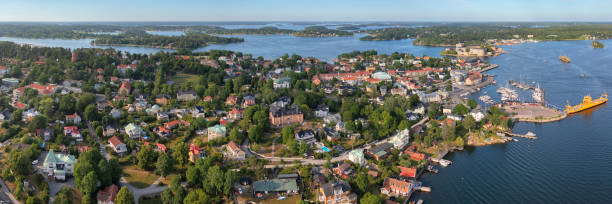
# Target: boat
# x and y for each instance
(581, 75)
(432, 169)
(565, 59)
(587, 102)
(515, 140)
(530, 134)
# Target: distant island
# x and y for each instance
(321, 31)
(191, 40)
(476, 34)
(597, 44)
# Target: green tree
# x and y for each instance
(81, 169)
(193, 176)
(460, 109)
(180, 153)
(472, 103)
(166, 196)
(147, 158)
(459, 142)
(214, 183)
(433, 111)
(104, 173)
(116, 170)
(67, 104)
(287, 134)
(369, 198)
(362, 183)
(91, 112)
(89, 184)
(469, 123)
(37, 123)
(19, 163)
(163, 165)
(197, 197)
(124, 196)
(31, 200)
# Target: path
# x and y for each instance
(7, 193)
(153, 189)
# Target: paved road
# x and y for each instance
(343, 156)
(6, 195)
(151, 190)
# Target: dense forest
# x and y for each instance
(319, 31)
(476, 34)
(190, 40)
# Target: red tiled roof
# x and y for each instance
(114, 141)
(161, 147)
(407, 172)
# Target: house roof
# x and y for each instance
(275, 185)
(407, 172)
(52, 157)
(115, 141)
(217, 128)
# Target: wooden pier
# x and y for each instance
(520, 135)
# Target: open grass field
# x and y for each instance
(181, 78)
(137, 177)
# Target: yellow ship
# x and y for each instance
(587, 103)
(564, 59)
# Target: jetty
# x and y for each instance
(522, 85)
(528, 135)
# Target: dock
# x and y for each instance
(528, 136)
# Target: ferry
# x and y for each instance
(587, 102)
(564, 59)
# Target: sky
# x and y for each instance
(305, 10)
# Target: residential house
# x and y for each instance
(115, 113)
(282, 83)
(109, 131)
(108, 194)
(321, 111)
(248, 100)
(231, 100)
(123, 68)
(234, 151)
(117, 145)
(125, 88)
(4, 69)
(357, 157)
(401, 139)
(331, 134)
(73, 118)
(396, 187)
(275, 186)
(286, 116)
(46, 134)
(10, 82)
(306, 136)
(235, 114)
(380, 151)
(73, 132)
(59, 166)
(216, 131)
(343, 170)
(337, 192)
(198, 112)
(186, 95)
(332, 118)
(162, 99)
(208, 99)
(29, 114)
(134, 131)
(195, 152)
(477, 115)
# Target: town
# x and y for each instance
(99, 125)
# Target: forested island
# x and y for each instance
(320, 31)
(476, 34)
(597, 44)
(190, 40)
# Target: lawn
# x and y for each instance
(137, 177)
(181, 78)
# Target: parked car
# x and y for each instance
(35, 162)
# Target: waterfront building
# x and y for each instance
(396, 187)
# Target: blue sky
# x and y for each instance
(306, 10)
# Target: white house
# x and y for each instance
(74, 118)
(357, 157)
(401, 139)
(59, 166)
